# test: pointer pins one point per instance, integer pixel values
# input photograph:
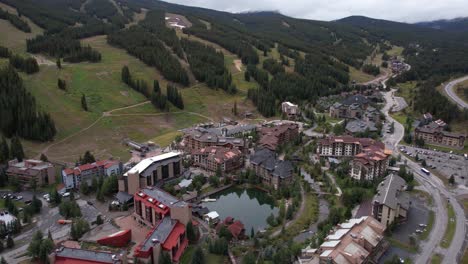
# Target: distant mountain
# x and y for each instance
(457, 24)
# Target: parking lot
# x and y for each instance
(418, 216)
(447, 164)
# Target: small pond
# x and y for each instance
(251, 206)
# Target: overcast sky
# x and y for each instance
(397, 10)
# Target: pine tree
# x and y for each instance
(16, 149)
(10, 242)
(84, 104)
(156, 88)
(4, 151)
(44, 157)
(234, 109)
(125, 75)
(61, 84)
(198, 256)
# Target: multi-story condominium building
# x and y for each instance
(351, 107)
(290, 110)
(168, 217)
(272, 171)
(345, 146)
(214, 158)
(391, 203)
(27, 171)
(434, 133)
(73, 177)
(198, 138)
(272, 137)
(369, 157)
(152, 171)
(370, 164)
(359, 240)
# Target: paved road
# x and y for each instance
(451, 93)
(439, 193)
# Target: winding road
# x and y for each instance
(453, 95)
(440, 194)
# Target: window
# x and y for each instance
(148, 181)
(165, 171)
(155, 176)
(149, 214)
(176, 168)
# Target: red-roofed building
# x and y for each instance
(235, 227)
(168, 216)
(73, 177)
(212, 158)
(118, 239)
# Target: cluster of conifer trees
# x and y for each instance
(148, 48)
(140, 86)
(371, 69)
(104, 9)
(207, 65)
(15, 21)
(19, 114)
(174, 96)
(272, 66)
(58, 45)
(158, 99)
(229, 39)
(28, 65)
(155, 23)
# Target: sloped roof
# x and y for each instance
(390, 192)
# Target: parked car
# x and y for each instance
(67, 194)
(19, 198)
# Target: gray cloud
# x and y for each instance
(397, 10)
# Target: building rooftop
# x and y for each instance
(267, 159)
(355, 99)
(219, 154)
(160, 233)
(144, 164)
(358, 126)
(162, 197)
(89, 256)
(349, 241)
(391, 192)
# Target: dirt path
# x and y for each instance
(109, 114)
(298, 214)
(238, 64)
(41, 60)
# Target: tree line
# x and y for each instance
(28, 65)
(371, 69)
(207, 65)
(229, 39)
(272, 66)
(19, 114)
(61, 46)
(15, 21)
(104, 9)
(148, 48)
(175, 96)
(155, 23)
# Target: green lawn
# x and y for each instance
(215, 259)
(401, 245)
(186, 258)
(450, 229)
(104, 90)
(437, 259)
